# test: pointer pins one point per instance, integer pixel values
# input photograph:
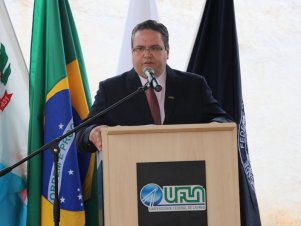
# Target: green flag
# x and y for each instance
(59, 100)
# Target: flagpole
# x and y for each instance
(56, 203)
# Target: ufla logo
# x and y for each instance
(5, 71)
(173, 198)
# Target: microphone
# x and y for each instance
(150, 75)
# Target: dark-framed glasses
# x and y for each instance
(152, 49)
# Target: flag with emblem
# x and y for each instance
(14, 117)
(59, 101)
(215, 56)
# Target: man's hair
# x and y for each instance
(152, 25)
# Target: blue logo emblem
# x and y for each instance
(173, 198)
(151, 195)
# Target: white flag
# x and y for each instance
(139, 11)
(14, 119)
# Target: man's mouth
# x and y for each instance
(147, 64)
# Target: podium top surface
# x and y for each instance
(169, 128)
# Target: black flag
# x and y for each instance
(215, 56)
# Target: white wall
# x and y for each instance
(269, 34)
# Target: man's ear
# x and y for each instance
(167, 53)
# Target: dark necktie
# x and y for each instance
(153, 105)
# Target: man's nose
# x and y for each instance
(147, 52)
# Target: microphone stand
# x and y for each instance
(54, 145)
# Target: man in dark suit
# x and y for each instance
(185, 98)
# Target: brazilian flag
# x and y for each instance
(59, 101)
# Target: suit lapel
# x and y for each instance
(139, 103)
(170, 94)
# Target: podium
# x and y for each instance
(126, 147)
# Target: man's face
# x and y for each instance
(149, 51)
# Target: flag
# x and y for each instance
(59, 101)
(215, 55)
(138, 11)
(14, 117)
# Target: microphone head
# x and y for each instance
(158, 88)
(148, 69)
(150, 75)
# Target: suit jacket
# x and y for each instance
(188, 100)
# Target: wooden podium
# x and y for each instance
(123, 147)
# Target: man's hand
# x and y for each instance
(95, 137)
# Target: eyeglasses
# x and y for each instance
(153, 49)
